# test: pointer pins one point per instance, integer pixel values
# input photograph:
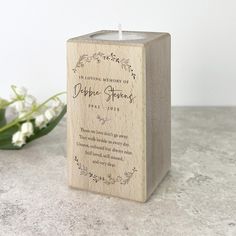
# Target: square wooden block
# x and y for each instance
(119, 114)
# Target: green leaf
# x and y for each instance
(3, 103)
(6, 135)
(3, 120)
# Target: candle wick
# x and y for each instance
(120, 32)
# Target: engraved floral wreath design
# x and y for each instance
(106, 180)
(99, 56)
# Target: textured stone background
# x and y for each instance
(198, 197)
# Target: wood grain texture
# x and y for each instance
(118, 123)
(158, 113)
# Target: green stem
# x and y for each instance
(18, 98)
(17, 120)
(8, 104)
(13, 89)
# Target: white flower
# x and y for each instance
(19, 106)
(18, 139)
(27, 129)
(50, 114)
(57, 105)
(40, 121)
(21, 91)
(59, 108)
(35, 114)
(29, 100)
(18, 91)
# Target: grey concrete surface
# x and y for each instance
(198, 197)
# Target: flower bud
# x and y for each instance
(50, 114)
(40, 121)
(29, 100)
(18, 139)
(21, 91)
(57, 105)
(27, 129)
(19, 106)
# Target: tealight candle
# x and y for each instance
(118, 119)
(118, 36)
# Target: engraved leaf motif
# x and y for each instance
(83, 170)
(83, 59)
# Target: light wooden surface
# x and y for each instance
(135, 121)
(158, 111)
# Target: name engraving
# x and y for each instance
(110, 93)
(78, 89)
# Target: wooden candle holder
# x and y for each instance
(119, 114)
